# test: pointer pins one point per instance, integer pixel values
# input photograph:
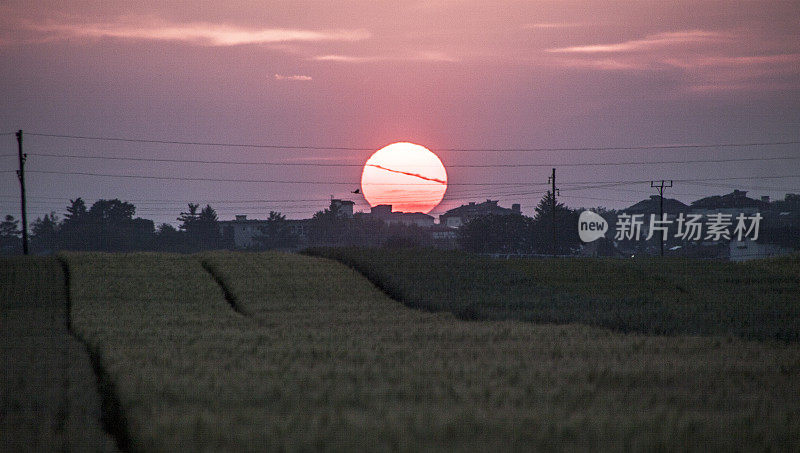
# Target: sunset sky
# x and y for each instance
(448, 75)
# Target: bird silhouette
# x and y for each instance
(357, 191)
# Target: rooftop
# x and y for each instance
(487, 207)
(652, 205)
(735, 199)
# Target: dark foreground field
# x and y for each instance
(49, 397)
(756, 300)
(272, 351)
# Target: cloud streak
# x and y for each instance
(296, 77)
(696, 61)
(199, 33)
(602, 64)
(417, 56)
(752, 60)
(551, 25)
(658, 40)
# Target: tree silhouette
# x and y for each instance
(169, 239)
(277, 233)
(45, 232)
(111, 227)
(207, 229)
(328, 227)
(9, 235)
(73, 227)
(188, 219)
(566, 226)
(200, 227)
(497, 234)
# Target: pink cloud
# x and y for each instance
(659, 40)
(756, 60)
(603, 64)
(743, 86)
(414, 56)
(200, 33)
(551, 25)
(299, 78)
(712, 74)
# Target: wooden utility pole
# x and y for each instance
(553, 181)
(660, 187)
(21, 176)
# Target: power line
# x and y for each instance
(172, 206)
(194, 161)
(183, 201)
(749, 187)
(599, 199)
(469, 193)
(348, 148)
(176, 178)
(738, 178)
(611, 183)
(466, 192)
(316, 164)
(616, 189)
(194, 143)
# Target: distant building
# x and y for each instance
(241, 231)
(456, 217)
(791, 203)
(652, 206)
(443, 233)
(444, 237)
(384, 212)
(299, 227)
(343, 208)
(599, 248)
(672, 207)
(776, 227)
(751, 250)
(381, 211)
(733, 203)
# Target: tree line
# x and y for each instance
(522, 234)
(111, 225)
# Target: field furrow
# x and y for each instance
(757, 300)
(359, 369)
(48, 393)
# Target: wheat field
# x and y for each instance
(273, 351)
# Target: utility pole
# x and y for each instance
(660, 185)
(21, 176)
(553, 180)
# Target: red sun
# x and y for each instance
(407, 176)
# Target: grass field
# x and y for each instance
(275, 351)
(756, 300)
(48, 395)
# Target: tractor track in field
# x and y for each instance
(112, 415)
(229, 297)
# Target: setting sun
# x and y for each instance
(407, 176)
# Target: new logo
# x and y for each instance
(591, 226)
